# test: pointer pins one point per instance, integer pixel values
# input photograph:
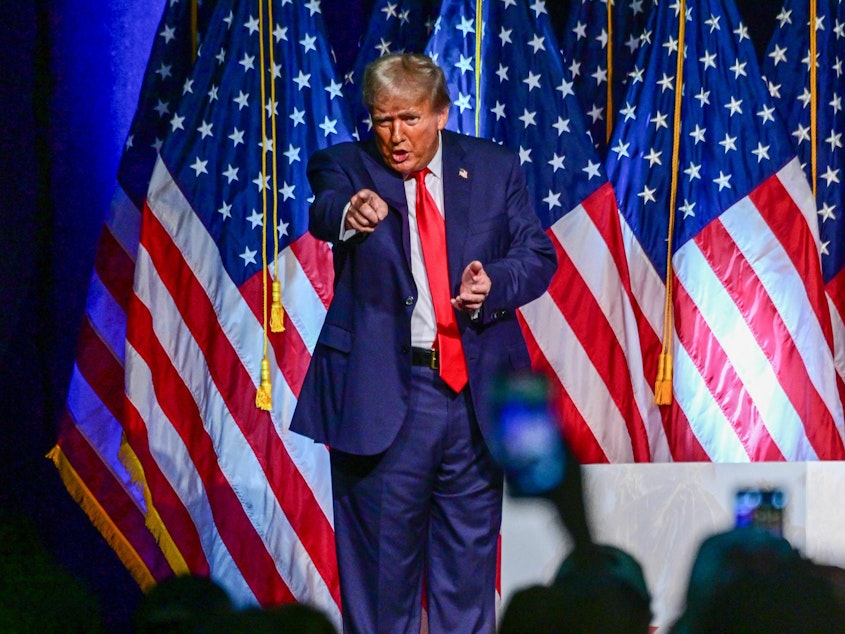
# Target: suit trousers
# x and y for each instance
(421, 518)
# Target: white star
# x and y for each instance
(596, 113)
(188, 87)
(742, 32)
(735, 106)
(383, 47)
(313, 6)
(633, 43)
(248, 256)
(823, 247)
(505, 36)
(592, 169)
(283, 228)
(302, 80)
(267, 145)
(527, 117)
(328, 126)
(537, 43)
(767, 114)
(212, 94)
(688, 209)
(262, 181)
(839, 29)
(762, 152)
(532, 80)
(169, 34)
(502, 72)
(465, 64)
(647, 194)
(774, 90)
(835, 140)
(466, 26)
(334, 89)
(602, 38)
(565, 89)
(600, 76)
(826, 212)
(242, 100)
(836, 104)
(739, 69)
(287, 191)
(308, 43)
(723, 181)
(636, 75)
(176, 123)
(580, 30)
(784, 17)
(498, 110)
(805, 97)
(272, 108)
(831, 175)
(703, 97)
(552, 200)
(231, 173)
(659, 121)
(561, 125)
(671, 45)
(252, 25)
(164, 71)
(653, 157)
(225, 210)
(557, 162)
(199, 167)
(280, 33)
(621, 149)
(693, 171)
(247, 62)
(221, 56)
(524, 155)
(778, 55)
(129, 141)
(538, 7)
(162, 108)
(802, 134)
(463, 101)
(709, 60)
(237, 137)
(630, 111)
(637, 6)
(729, 142)
(292, 154)
(698, 134)
(297, 116)
(256, 219)
(713, 23)
(665, 82)
(389, 11)
(575, 68)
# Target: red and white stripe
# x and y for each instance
(234, 487)
(583, 331)
(753, 370)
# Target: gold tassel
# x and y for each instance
(663, 385)
(264, 395)
(277, 311)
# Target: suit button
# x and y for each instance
(409, 300)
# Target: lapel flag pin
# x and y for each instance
(462, 173)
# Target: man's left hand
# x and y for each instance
(475, 286)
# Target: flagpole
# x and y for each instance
(479, 19)
(814, 95)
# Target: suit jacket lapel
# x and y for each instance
(457, 193)
(391, 187)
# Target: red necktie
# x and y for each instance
(432, 228)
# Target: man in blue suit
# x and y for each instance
(397, 382)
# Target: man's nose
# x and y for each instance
(397, 132)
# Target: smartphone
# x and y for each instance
(527, 439)
(761, 508)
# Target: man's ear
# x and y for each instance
(442, 118)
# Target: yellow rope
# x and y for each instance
(814, 95)
(263, 396)
(663, 385)
(277, 311)
(479, 9)
(609, 120)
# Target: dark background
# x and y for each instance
(69, 77)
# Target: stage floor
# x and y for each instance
(660, 513)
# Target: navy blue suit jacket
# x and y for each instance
(355, 393)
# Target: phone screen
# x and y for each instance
(527, 438)
(762, 508)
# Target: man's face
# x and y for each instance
(406, 130)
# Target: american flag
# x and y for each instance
(786, 68)
(90, 453)
(511, 87)
(238, 494)
(749, 330)
(395, 26)
(598, 54)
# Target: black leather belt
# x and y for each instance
(425, 357)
